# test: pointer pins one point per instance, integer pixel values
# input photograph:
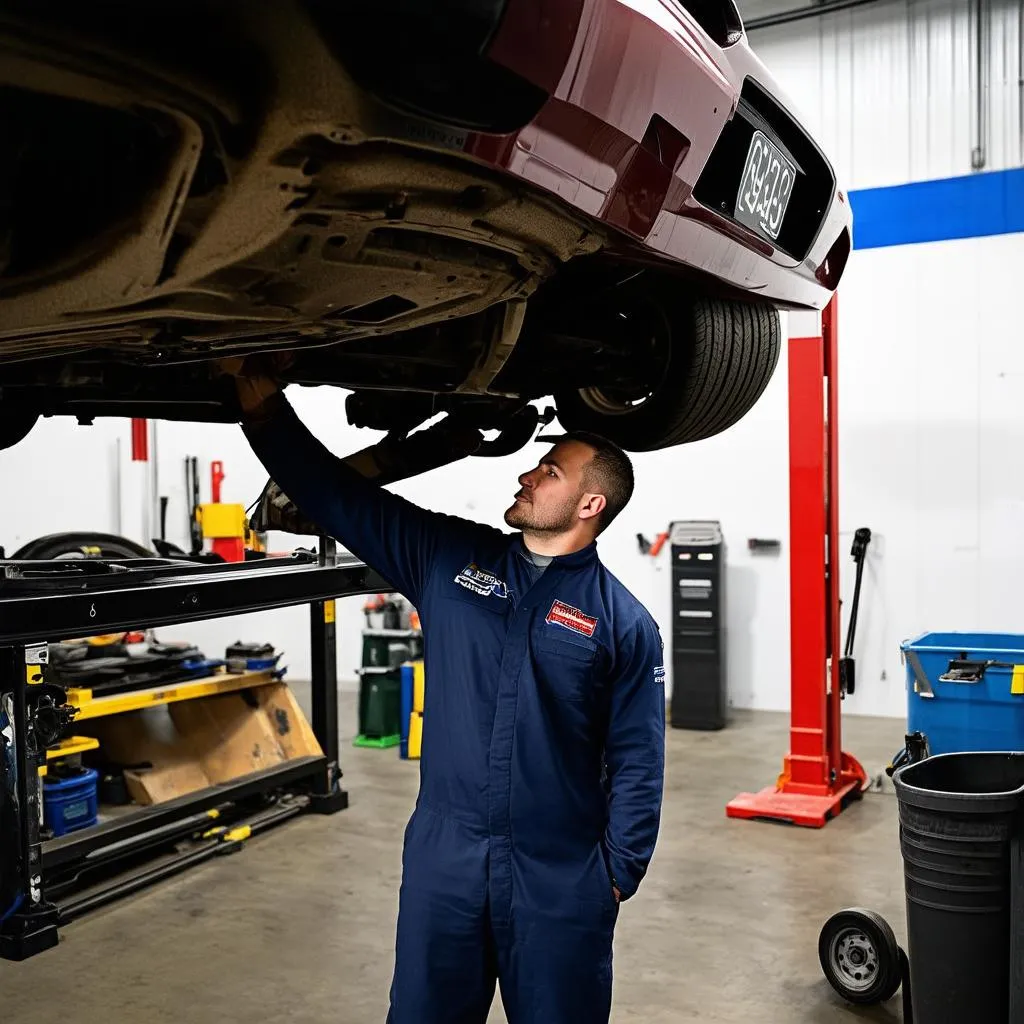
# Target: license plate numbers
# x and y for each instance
(765, 188)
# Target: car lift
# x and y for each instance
(818, 779)
(46, 602)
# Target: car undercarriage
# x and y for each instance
(191, 181)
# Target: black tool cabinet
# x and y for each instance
(699, 697)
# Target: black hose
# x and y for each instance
(861, 540)
(854, 607)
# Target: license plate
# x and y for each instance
(765, 188)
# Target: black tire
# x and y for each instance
(860, 957)
(80, 545)
(717, 357)
(15, 427)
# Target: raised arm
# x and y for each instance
(389, 533)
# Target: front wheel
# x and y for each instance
(860, 957)
(706, 363)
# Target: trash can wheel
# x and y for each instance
(860, 956)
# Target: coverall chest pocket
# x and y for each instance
(567, 665)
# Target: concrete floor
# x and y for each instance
(299, 926)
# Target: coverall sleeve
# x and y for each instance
(635, 756)
(389, 533)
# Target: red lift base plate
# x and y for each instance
(794, 808)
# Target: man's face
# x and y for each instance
(549, 497)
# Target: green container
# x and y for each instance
(388, 648)
(380, 702)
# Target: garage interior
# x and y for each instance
(856, 537)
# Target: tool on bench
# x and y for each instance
(251, 657)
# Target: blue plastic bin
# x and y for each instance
(70, 804)
(961, 717)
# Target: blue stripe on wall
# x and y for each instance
(934, 211)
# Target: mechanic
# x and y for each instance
(543, 748)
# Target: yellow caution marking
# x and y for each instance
(213, 813)
(1017, 685)
(236, 835)
(415, 735)
(418, 686)
(329, 611)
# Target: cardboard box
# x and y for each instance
(292, 729)
(230, 736)
(156, 785)
(179, 748)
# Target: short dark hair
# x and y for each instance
(609, 472)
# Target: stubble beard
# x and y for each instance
(560, 519)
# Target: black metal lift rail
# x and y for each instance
(37, 605)
(43, 602)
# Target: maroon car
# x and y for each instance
(439, 205)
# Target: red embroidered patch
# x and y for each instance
(572, 618)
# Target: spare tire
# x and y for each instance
(84, 544)
(711, 360)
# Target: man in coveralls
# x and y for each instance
(543, 747)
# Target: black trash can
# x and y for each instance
(959, 815)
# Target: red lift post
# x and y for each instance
(818, 779)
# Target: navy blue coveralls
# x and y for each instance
(543, 751)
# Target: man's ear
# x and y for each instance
(593, 505)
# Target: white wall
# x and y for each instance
(932, 430)
(63, 474)
(890, 89)
(931, 364)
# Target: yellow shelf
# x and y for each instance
(119, 703)
(71, 745)
(68, 747)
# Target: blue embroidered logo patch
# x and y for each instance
(481, 582)
(659, 674)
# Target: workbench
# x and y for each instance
(89, 706)
(42, 602)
